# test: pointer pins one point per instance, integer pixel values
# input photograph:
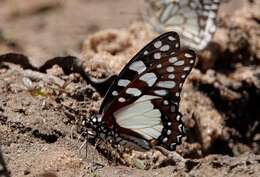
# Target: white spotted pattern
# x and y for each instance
(165, 48)
(149, 79)
(157, 55)
(186, 68)
(157, 44)
(169, 132)
(123, 82)
(171, 76)
(133, 91)
(115, 93)
(180, 127)
(138, 66)
(165, 140)
(188, 55)
(173, 145)
(178, 118)
(159, 66)
(165, 102)
(171, 38)
(173, 59)
(179, 63)
(179, 138)
(166, 84)
(121, 99)
(160, 92)
(170, 69)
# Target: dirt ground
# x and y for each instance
(41, 113)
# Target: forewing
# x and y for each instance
(164, 45)
(163, 77)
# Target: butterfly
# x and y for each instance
(194, 20)
(140, 109)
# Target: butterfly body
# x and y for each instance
(140, 109)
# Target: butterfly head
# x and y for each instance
(92, 125)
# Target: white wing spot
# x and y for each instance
(123, 82)
(188, 55)
(183, 76)
(169, 132)
(171, 38)
(177, 94)
(149, 78)
(157, 44)
(179, 63)
(180, 127)
(165, 140)
(173, 145)
(160, 92)
(133, 91)
(178, 118)
(159, 66)
(165, 102)
(165, 48)
(146, 52)
(173, 59)
(169, 123)
(115, 93)
(138, 66)
(186, 68)
(121, 99)
(170, 69)
(157, 55)
(146, 97)
(177, 45)
(166, 84)
(192, 61)
(171, 76)
(179, 138)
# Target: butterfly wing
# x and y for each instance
(145, 96)
(140, 62)
(194, 20)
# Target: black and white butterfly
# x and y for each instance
(140, 109)
(194, 20)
